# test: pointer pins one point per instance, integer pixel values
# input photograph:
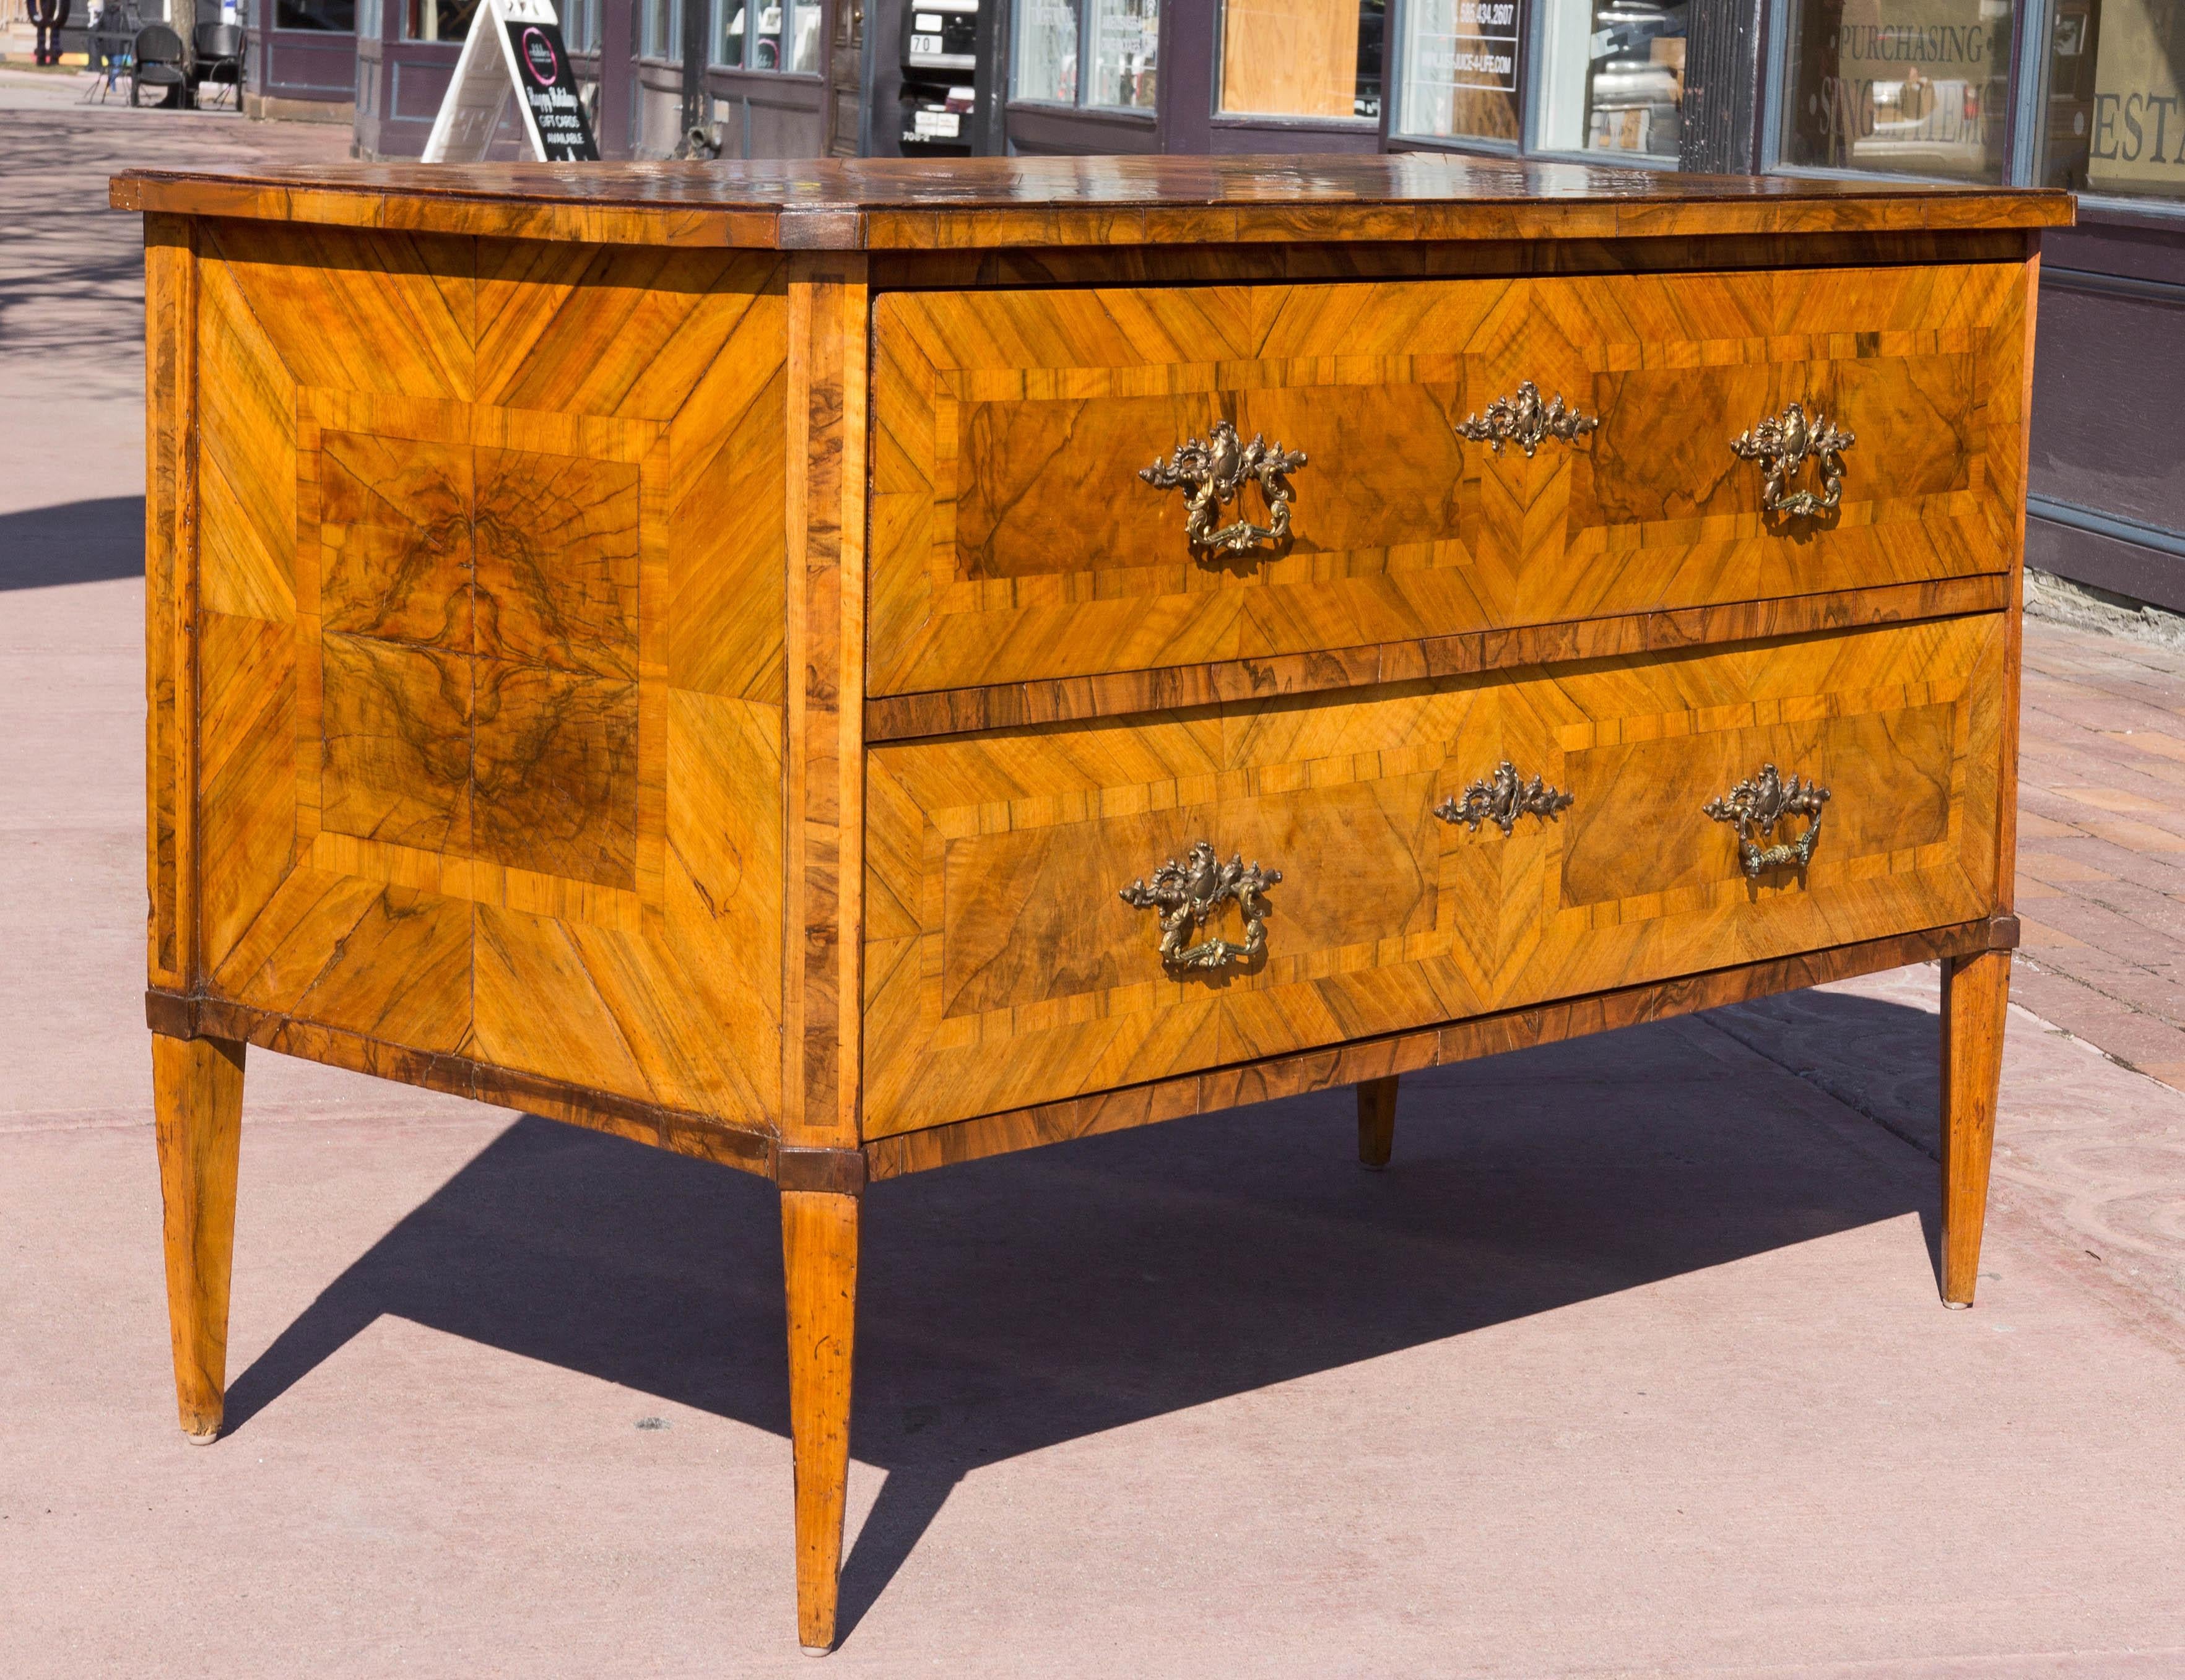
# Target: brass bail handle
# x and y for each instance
(1754, 807)
(1188, 895)
(1787, 443)
(1212, 471)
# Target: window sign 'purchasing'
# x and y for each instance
(1908, 88)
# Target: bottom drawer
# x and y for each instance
(1003, 968)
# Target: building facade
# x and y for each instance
(2085, 94)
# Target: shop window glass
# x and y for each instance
(580, 26)
(1303, 57)
(2116, 118)
(339, 16)
(663, 28)
(759, 35)
(1903, 86)
(1612, 77)
(1459, 75)
(1047, 51)
(1126, 40)
(438, 20)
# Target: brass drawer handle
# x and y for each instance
(1212, 471)
(1757, 806)
(1501, 799)
(1525, 419)
(1187, 894)
(1785, 443)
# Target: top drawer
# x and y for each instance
(1014, 537)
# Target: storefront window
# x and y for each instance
(1303, 57)
(1905, 87)
(2116, 105)
(438, 20)
(336, 15)
(1126, 42)
(663, 28)
(1460, 75)
(752, 36)
(1120, 38)
(1047, 51)
(580, 26)
(1612, 77)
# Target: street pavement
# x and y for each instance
(1631, 1363)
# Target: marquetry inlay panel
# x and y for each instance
(491, 694)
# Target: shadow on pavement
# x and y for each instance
(1010, 1304)
(77, 542)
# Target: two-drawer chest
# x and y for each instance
(838, 669)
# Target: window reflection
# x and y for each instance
(2115, 99)
(1918, 88)
(1613, 77)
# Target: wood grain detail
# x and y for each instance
(197, 1101)
(170, 496)
(490, 722)
(1367, 1060)
(1079, 202)
(1004, 970)
(1014, 541)
(822, 1073)
(705, 1137)
(1117, 693)
(1975, 1004)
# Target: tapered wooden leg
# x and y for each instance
(1975, 991)
(1377, 1121)
(819, 1255)
(197, 1106)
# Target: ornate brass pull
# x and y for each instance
(1188, 893)
(1525, 419)
(1785, 443)
(1501, 799)
(1757, 806)
(1212, 471)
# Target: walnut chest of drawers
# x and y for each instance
(839, 669)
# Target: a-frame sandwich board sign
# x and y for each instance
(513, 46)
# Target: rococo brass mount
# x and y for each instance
(1187, 894)
(1756, 806)
(1786, 442)
(1212, 471)
(1526, 420)
(1501, 799)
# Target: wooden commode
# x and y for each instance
(841, 669)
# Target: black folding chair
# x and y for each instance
(112, 32)
(219, 58)
(159, 61)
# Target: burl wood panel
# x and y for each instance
(1003, 970)
(490, 719)
(1013, 539)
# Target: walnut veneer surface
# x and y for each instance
(695, 651)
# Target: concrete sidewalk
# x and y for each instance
(1632, 1364)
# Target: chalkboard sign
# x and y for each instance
(513, 47)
